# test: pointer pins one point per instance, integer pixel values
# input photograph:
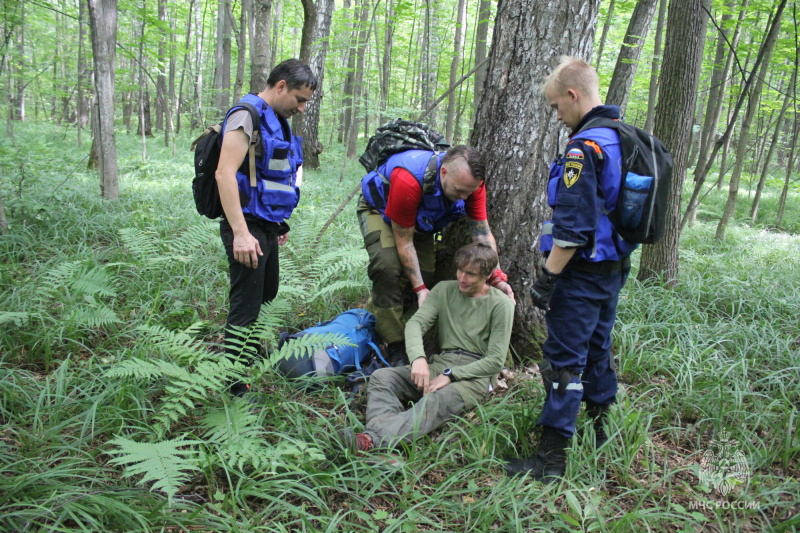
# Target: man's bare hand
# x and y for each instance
(246, 250)
(422, 296)
(506, 288)
(282, 239)
(420, 373)
(437, 383)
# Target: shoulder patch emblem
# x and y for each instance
(572, 171)
(575, 153)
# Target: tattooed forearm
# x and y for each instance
(407, 253)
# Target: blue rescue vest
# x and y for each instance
(608, 246)
(275, 195)
(435, 211)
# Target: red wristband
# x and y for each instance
(497, 276)
(419, 289)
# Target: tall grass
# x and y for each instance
(106, 305)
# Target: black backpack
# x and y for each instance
(397, 136)
(641, 212)
(206, 150)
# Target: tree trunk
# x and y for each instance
(241, 48)
(517, 134)
(103, 20)
(429, 67)
(652, 93)
(386, 64)
(683, 53)
(789, 169)
(3, 220)
(314, 51)
(145, 128)
(161, 78)
(604, 35)
(481, 35)
(259, 46)
(744, 133)
(457, 58)
(198, 117)
(171, 105)
(17, 98)
(628, 59)
(222, 58)
(347, 93)
(82, 104)
(360, 53)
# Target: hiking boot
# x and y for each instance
(355, 442)
(550, 461)
(396, 354)
(239, 389)
(598, 414)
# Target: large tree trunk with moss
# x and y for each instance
(259, 46)
(517, 133)
(103, 20)
(683, 53)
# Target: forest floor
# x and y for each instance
(111, 417)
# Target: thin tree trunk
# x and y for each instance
(260, 46)
(604, 35)
(386, 64)
(198, 117)
(481, 36)
(314, 51)
(222, 58)
(3, 220)
(103, 16)
(457, 58)
(628, 59)
(186, 63)
(652, 93)
(240, 34)
(752, 107)
(82, 103)
(161, 78)
(683, 55)
(363, 41)
(789, 169)
(171, 107)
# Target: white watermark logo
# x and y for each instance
(723, 465)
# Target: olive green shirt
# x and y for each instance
(479, 325)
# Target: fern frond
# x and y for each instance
(135, 368)
(335, 264)
(235, 431)
(306, 345)
(195, 238)
(181, 344)
(338, 286)
(94, 281)
(167, 463)
(56, 280)
(93, 316)
(144, 244)
(18, 318)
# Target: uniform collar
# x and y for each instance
(604, 111)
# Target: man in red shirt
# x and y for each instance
(408, 199)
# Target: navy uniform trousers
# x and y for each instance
(583, 309)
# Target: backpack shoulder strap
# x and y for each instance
(429, 179)
(599, 122)
(255, 138)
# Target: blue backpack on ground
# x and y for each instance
(358, 325)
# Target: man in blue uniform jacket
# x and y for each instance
(587, 265)
(257, 207)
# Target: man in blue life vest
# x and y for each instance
(408, 199)
(587, 265)
(257, 207)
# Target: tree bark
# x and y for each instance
(260, 47)
(360, 54)
(103, 17)
(82, 103)
(517, 134)
(386, 64)
(481, 36)
(789, 169)
(683, 53)
(457, 58)
(240, 34)
(655, 67)
(161, 78)
(314, 51)
(222, 58)
(619, 88)
(744, 133)
(429, 66)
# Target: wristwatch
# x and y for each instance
(449, 373)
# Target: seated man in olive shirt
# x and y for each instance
(474, 322)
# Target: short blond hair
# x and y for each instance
(572, 73)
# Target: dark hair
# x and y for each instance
(470, 156)
(296, 74)
(478, 255)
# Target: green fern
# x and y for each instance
(17, 318)
(167, 463)
(144, 244)
(182, 345)
(94, 281)
(235, 433)
(93, 316)
(54, 281)
(196, 237)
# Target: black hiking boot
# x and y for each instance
(396, 354)
(598, 414)
(550, 461)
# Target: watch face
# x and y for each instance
(447, 372)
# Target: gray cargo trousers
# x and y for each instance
(391, 389)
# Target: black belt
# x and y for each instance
(600, 267)
(464, 352)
